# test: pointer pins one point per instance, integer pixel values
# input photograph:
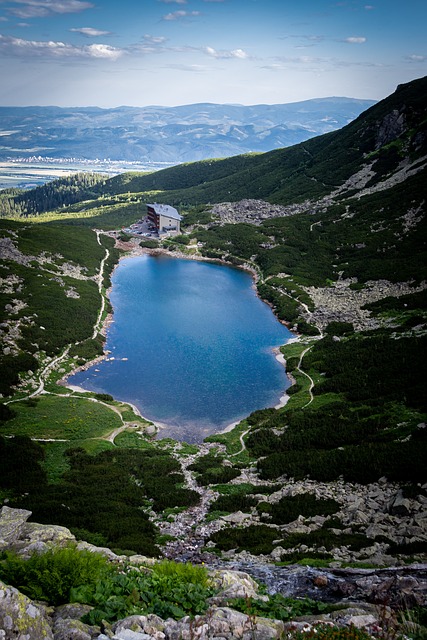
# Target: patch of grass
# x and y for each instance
(69, 418)
(235, 489)
(231, 439)
(133, 440)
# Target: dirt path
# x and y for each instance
(310, 389)
(100, 280)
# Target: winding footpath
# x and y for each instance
(55, 362)
(310, 388)
(100, 280)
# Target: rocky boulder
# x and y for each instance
(20, 618)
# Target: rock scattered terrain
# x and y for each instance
(253, 211)
(341, 303)
(359, 590)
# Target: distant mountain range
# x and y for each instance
(168, 134)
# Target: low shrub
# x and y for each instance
(233, 502)
(327, 539)
(169, 590)
(327, 632)
(212, 471)
(280, 608)
(257, 539)
(52, 576)
(290, 508)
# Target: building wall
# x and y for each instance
(166, 222)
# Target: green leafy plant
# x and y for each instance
(170, 590)
(327, 632)
(52, 576)
(280, 608)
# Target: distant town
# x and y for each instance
(32, 171)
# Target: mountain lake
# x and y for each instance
(191, 346)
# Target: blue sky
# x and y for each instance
(170, 52)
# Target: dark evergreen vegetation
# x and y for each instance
(52, 195)
(104, 494)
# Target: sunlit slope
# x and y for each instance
(388, 134)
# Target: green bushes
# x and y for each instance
(356, 367)
(339, 328)
(328, 632)
(52, 576)
(59, 576)
(169, 590)
(280, 608)
(325, 538)
(233, 502)
(105, 494)
(88, 349)
(210, 470)
(290, 508)
(256, 539)
(11, 366)
(397, 461)
(20, 466)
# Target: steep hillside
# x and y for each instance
(389, 139)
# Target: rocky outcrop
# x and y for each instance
(343, 304)
(253, 211)
(22, 619)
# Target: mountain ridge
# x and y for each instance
(155, 133)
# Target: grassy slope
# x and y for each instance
(307, 170)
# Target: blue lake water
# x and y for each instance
(191, 346)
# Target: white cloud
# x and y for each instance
(148, 39)
(369, 7)
(416, 58)
(192, 68)
(178, 15)
(55, 50)
(355, 40)
(42, 8)
(91, 32)
(234, 53)
(174, 1)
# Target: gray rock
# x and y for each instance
(150, 626)
(400, 506)
(12, 522)
(68, 629)
(128, 634)
(72, 611)
(232, 584)
(19, 615)
(54, 534)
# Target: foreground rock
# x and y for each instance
(359, 591)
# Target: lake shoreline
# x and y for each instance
(131, 250)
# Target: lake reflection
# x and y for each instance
(191, 346)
